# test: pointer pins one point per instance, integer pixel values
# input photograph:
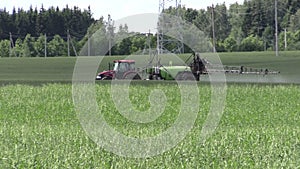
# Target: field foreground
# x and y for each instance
(259, 129)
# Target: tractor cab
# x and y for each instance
(117, 70)
(123, 66)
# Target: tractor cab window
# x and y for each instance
(121, 66)
(116, 66)
(131, 66)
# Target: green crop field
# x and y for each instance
(259, 129)
(40, 127)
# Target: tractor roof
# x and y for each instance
(125, 61)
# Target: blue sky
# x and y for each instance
(116, 8)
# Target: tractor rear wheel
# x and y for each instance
(132, 76)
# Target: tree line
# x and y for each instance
(23, 33)
(52, 21)
(240, 27)
(249, 26)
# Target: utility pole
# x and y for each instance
(70, 42)
(160, 32)
(73, 47)
(162, 28)
(89, 44)
(110, 31)
(213, 28)
(45, 45)
(147, 45)
(68, 39)
(276, 29)
(149, 40)
(285, 39)
(10, 44)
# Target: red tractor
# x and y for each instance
(125, 69)
(122, 69)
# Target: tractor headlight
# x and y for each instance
(99, 77)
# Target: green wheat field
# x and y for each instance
(39, 127)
